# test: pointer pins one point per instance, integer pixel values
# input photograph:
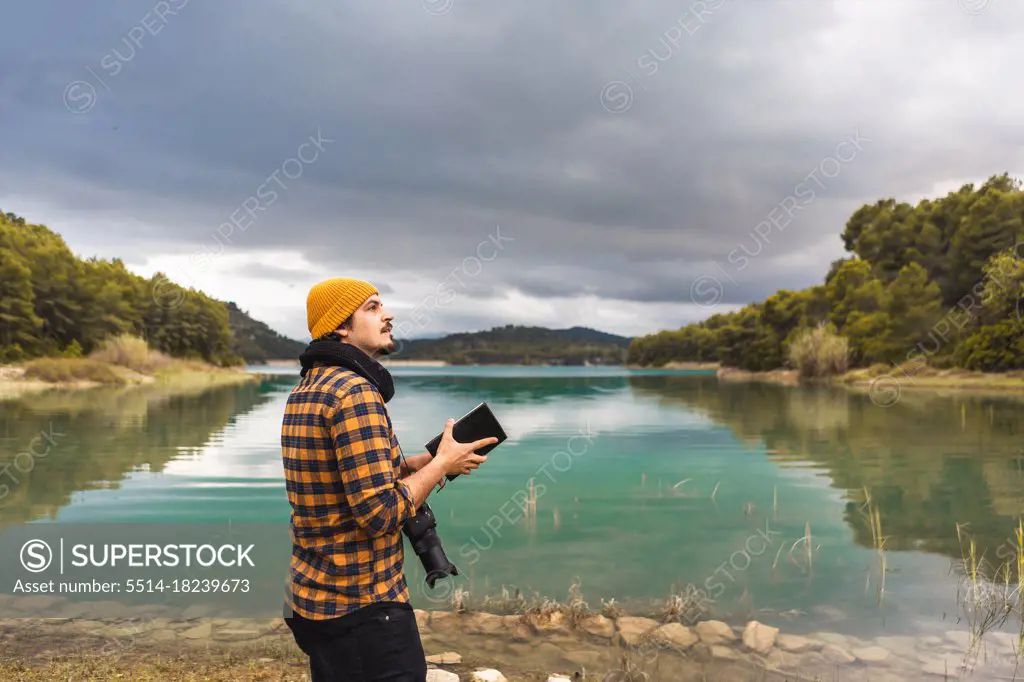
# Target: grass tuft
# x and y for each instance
(818, 353)
(874, 519)
(610, 609)
(987, 604)
(132, 353)
(576, 610)
(70, 370)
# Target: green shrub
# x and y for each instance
(819, 352)
(132, 352)
(74, 350)
(994, 348)
(13, 353)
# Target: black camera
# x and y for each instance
(427, 545)
(477, 424)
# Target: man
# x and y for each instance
(351, 493)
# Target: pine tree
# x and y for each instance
(19, 324)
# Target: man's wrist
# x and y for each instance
(438, 468)
(410, 465)
(425, 480)
(417, 462)
(442, 475)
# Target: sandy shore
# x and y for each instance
(886, 386)
(13, 383)
(955, 379)
(786, 377)
(679, 365)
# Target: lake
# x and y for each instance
(811, 509)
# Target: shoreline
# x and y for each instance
(414, 363)
(155, 643)
(384, 361)
(784, 377)
(875, 381)
(14, 384)
(444, 363)
(677, 365)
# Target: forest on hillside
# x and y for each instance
(942, 282)
(520, 345)
(256, 342)
(56, 304)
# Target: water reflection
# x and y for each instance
(931, 463)
(682, 472)
(532, 406)
(102, 437)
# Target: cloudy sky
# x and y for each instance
(625, 166)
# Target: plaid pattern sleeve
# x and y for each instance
(341, 465)
(360, 429)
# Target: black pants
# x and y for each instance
(378, 642)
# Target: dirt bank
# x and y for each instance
(786, 377)
(679, 365)
(14, 383)
(883, 382)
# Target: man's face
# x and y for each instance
(371, 328)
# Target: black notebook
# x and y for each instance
(476, 424)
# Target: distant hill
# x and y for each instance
(255, 342)
(520, 345)
(56, 304)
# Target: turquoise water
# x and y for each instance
(645, 482)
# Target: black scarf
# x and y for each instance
(337, 354)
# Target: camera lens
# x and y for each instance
(427, 545)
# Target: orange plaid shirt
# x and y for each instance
(341, 465)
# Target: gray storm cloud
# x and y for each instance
(627, 149)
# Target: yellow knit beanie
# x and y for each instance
(331, 301)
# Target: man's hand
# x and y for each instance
(452, 458)
(460, 458)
